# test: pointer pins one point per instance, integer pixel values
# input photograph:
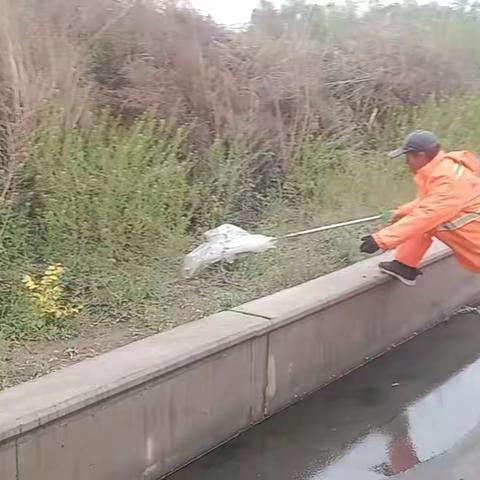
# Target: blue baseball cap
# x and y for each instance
(417, 141)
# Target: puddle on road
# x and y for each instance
(429, 427)
(402, 410)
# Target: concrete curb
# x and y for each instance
(146, 409)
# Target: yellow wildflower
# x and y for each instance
(46, 295)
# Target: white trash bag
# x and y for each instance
(224, 243)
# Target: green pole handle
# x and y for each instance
(387, 215)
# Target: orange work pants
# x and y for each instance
(465, 243)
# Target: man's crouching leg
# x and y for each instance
(408, 257)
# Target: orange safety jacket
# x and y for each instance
(447, 207)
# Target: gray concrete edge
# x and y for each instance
(289, 305)
(32, 404)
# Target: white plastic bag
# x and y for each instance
(224, 243)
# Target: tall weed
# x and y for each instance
(455, 121)
(336, 179)
(107, 187)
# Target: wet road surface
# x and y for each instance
(413, 414)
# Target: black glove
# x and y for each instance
(369, 245)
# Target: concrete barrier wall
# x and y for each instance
(146, 409)
(8, 459)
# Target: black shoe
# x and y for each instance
(404, 273)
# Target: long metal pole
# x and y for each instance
(333, 226)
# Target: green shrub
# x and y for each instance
(119, 189)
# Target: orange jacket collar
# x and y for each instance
(429, 168)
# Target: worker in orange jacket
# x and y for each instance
(447, 207)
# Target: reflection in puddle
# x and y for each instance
(427, 428)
